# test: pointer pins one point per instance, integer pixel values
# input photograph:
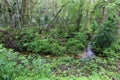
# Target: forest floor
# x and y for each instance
(27, 66)
(67, 65)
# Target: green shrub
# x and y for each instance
(31, 40)
(24, 37)
(39, 45)
(77, 43)
(6, 64)
(57, 49)
(105, 36)
(14, 66)
(114, 48)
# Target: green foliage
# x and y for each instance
(62, 26)
(6, 66)
(57, 49)
(1, 37)
(15, 66)
(114, 47)
(31, 40)
(105, 36)
(39, 45)
(57, 19)
(24, 37)
(77, 43)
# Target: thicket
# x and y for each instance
(107, 37)
(79, 19)
(60, 27)
(33, 41)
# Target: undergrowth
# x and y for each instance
(52, 42)
(15, 66)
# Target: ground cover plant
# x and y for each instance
(59, 39)
(15, 66)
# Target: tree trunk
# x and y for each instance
(25, 11)
(118, 27)
(78, 21)
(19, 14)
(10, 12)
(104, 14)
(89, 14)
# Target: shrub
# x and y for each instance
(31, 40)
(77, 43)
(57, 49)
(6, 64)
(14, 66)
(24, 37)
(105, 36)
(39, 45)
(114, 47)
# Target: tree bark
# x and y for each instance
(89, 14)
(25, 11)
(10, 12)
(78, 21)
(19, 14)
(104, 14)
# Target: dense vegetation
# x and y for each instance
(39, 39)
(16, 66)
